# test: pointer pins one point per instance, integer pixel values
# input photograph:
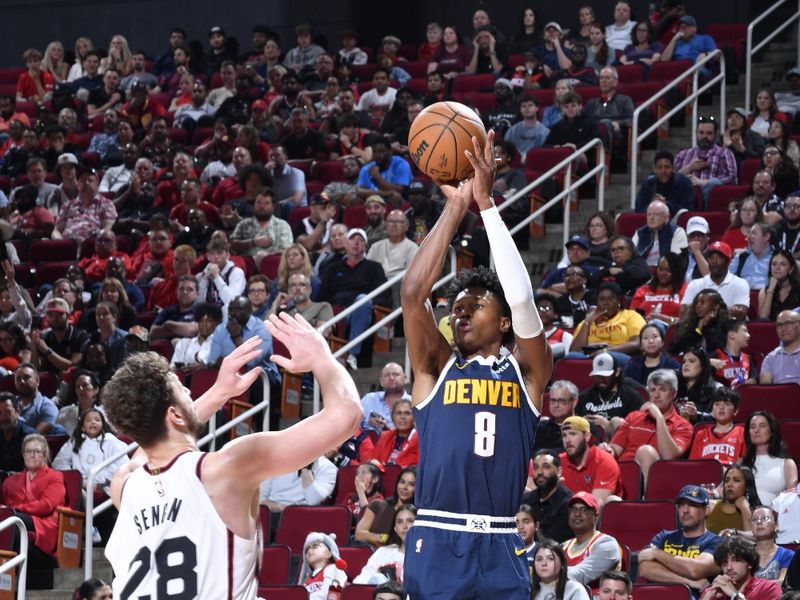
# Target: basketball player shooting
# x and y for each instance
(188, 521)
(476, 407)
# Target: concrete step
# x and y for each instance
(49, 594)
(69, 579)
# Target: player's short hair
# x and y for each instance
(481, 277)
(618, 576)
(739, 548)
(137, 397)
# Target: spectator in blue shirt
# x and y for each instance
(378, 405)
(673, 189)
(528, 133)
(687, 44)
(36, 410)
(752, 265)
(388, 175)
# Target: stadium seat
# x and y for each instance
(718, 222)
(54, 443)
(345, 484)
(733, 34)
(640, 91)
(70, 522)
(748, 170)
(298, 214)
(482, 102)
(355, 557)
(631, 479)
(763, 337)
(363, 72)
(575, 370)
(355, 216)
(269, 265)
(544, 159)
(10, 75)
(326, 171)
(791, 435)
(358, 592)
(660, 591)
(667, 477)
(298, 521)
(629, 222)
(45, 250)
(162, 347)
(418, 85)
(282, 592)
(264, 516)
(635, 522)
(544, 97)
(202, 380)
(783, 401)
(416, 68)
(668, 71)
(48, 272)
(722, 195)
(473, 83)
(390, 477)
(275, 563)
(630, 73)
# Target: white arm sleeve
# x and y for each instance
(512, 275)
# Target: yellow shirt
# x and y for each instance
(615, 331)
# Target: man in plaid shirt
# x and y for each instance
(709, 164)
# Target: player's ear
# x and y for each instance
(175, 416)
(505, 324)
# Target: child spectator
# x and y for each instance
(723, 441)
(732, 367)
(322, 566)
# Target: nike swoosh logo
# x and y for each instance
(604, 482)
(520, 552)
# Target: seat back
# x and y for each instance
(575, 370)
(544, 159)
(791, 435)
(667, 477)
(629, 222)
(355, 216)
(326, 171)
(355, 557)
(763, 337)
(275, 564)
(345, 483)
(358, 592)
(635, 522)
(721, 195)
(748, 170)
(631, 479)
(54, 443)
(783, 401)
(659, 591)
(473, 83)
(667, 71)
(283, 592)
(70, 522)
(264, 518)
(298, 521)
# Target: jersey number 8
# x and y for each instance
(484, 434)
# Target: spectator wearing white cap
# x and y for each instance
(348, 280)
(697, 231)
(611, 398)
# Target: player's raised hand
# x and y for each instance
(305, 344)
(483, 161)
(230, 383)
(461, 195)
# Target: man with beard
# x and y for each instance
(549, 498)
(789, 235)
(190, 200)
(346, 191)
(378, 101)
(375, 207)
(733, 289)
(116, 177)
(12, 431)
(228, 188)
(739, 560)
(146, 402)
(282, 106)
(36, 410)
(562, 400)
(197, 232)
(610, 399)
(139, 72)
(236, 109)
(105, 246)
(198, 112)
(301, 142)
(288, 182)
(764, 194)
(345, 105)
(263, 233)
(590, 553)
(683, 555)
(297, 300)
(157, 144)
(378, 405)
(708, 164)
(666, 185)
(506, 113)
(587, 468)
(387, 175)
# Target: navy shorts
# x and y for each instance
(444, 565)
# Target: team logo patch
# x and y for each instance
(160, 488)
(418, 547)
(478, 524)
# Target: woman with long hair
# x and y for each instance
(580, 34)
(83, 393)
(527, 527)
(773, 560)
(294, 259)
(779, 135)
(696, 385)
(82, 46)
(53, 61)
(739, 500)
(738, 138)
(644, 49)
(452, 58)
(598, 54)
(528, 35)
(552, 114)
(377, 519)
(368, 481)
(14, 346)
(703, 325)
(652, 358)
(549, 578)
(783, 169)
(660, 298)
(765, 453)
(765, 112)
(112, 290)
(783, 290)
(386, 563)
(746, 214)
(119, 57)
(108, 332)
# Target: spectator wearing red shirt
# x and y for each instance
(34, 85)
(165, 292)
(398, 446)
(732, 367)
(587, 468)
(190, 198)
(156, 262)
(105, 246)
(8, 113)
(140, 109)
(723, 441)
(656, 431)
(229, 188)
(169, 190)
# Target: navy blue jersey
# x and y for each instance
(476, 433)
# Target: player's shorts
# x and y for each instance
(465, 557)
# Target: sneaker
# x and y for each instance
(96, 537)
(352, 362)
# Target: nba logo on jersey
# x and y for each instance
(160, 488)
(418, 547)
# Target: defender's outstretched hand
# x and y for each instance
(305, 344)
(485, 165)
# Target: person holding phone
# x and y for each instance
(378, 405)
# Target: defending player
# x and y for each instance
(475, 409)
(188, 521)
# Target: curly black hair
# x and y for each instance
(481, 277)
(739, 548)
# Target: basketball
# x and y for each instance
(438, 137)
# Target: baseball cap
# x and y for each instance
(391, 39)
(503, 81)
(587, 498)
(86, 170)
(603, 365)
(697, 224)
(259, 105)
(139, 332)
(57, 305)
(738, 110)
(554, 25)
(577, 423)
(357, 231)
(318, 199)
(216, 29)
(688, 20)
(577, 239)
(68, 158)
(694, 494)
(417, 186)
(793, 72)
(722, 248)
(375, 198)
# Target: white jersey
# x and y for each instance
(169, 542)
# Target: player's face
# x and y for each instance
(526, 527)
(613, 590)
(406, 486)
(690, 515)
(547, 565)
(403, 522)
(184, 404)
(545, 472)
(318, 554)
(476, 320)
(574, 443)
(736, 569)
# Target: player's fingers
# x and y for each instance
(250, 377)
(472, 160)
(278, 323)
(477, 150)
(281, 361)
(292, 324)
(488, 148)
(248, 346)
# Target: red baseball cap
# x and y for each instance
(722, 248)
(587, 498)
(259, 105)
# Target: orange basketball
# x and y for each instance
(438, 137)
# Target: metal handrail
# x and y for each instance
(750, 51)
(694, 71)
(21, 558)
(92, 510)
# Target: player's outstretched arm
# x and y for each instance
(259, 456)
(427, 348)
(532, 350)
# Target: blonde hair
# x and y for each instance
(283, 267)
(54, 69)
(89, 47)
(123, 66)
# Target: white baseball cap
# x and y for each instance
(697, 224)
(603, 365)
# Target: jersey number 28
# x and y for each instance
(169, 567)
(484, 434)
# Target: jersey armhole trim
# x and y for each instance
(442, 376)
(532, 406)
(199, 467)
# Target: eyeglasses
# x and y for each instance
(258, 290)
(33, 451)
(574, 274)
(764, 519)
(541, 307)
(559, 400)
(618, 248)
(791, 206)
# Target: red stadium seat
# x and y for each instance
(48, 272)
(634, 523)
(409, 52)
(202, 380)
(667, 477)
(269, 265)
(631, 479)
(355, 216)
(162, 347)
(264, 516)
(390, 477)
(275, 563)
(659, 591)
(734, 34)
(630, 73)
(358, 592)
(763, 337)
(298, 214)
(482, 102)
(364, 72)
(303, 165)
(783, 401)
(298, 521)
(416, 68)
(345, 484)
(282, 592)
(641, 91)
(418, 85)
(718, 222)
(544, 97)
(313, 188)
(45, 250)
(629, 222)
(201, 134)
(544, 159)
(54, 443)
(722, 195)
(791, 435)
(5, 184)
(10, 75)
(326, 171)
(473, 83)
(355, 557)
(748, 170)
(668, 71)
(575, 370)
